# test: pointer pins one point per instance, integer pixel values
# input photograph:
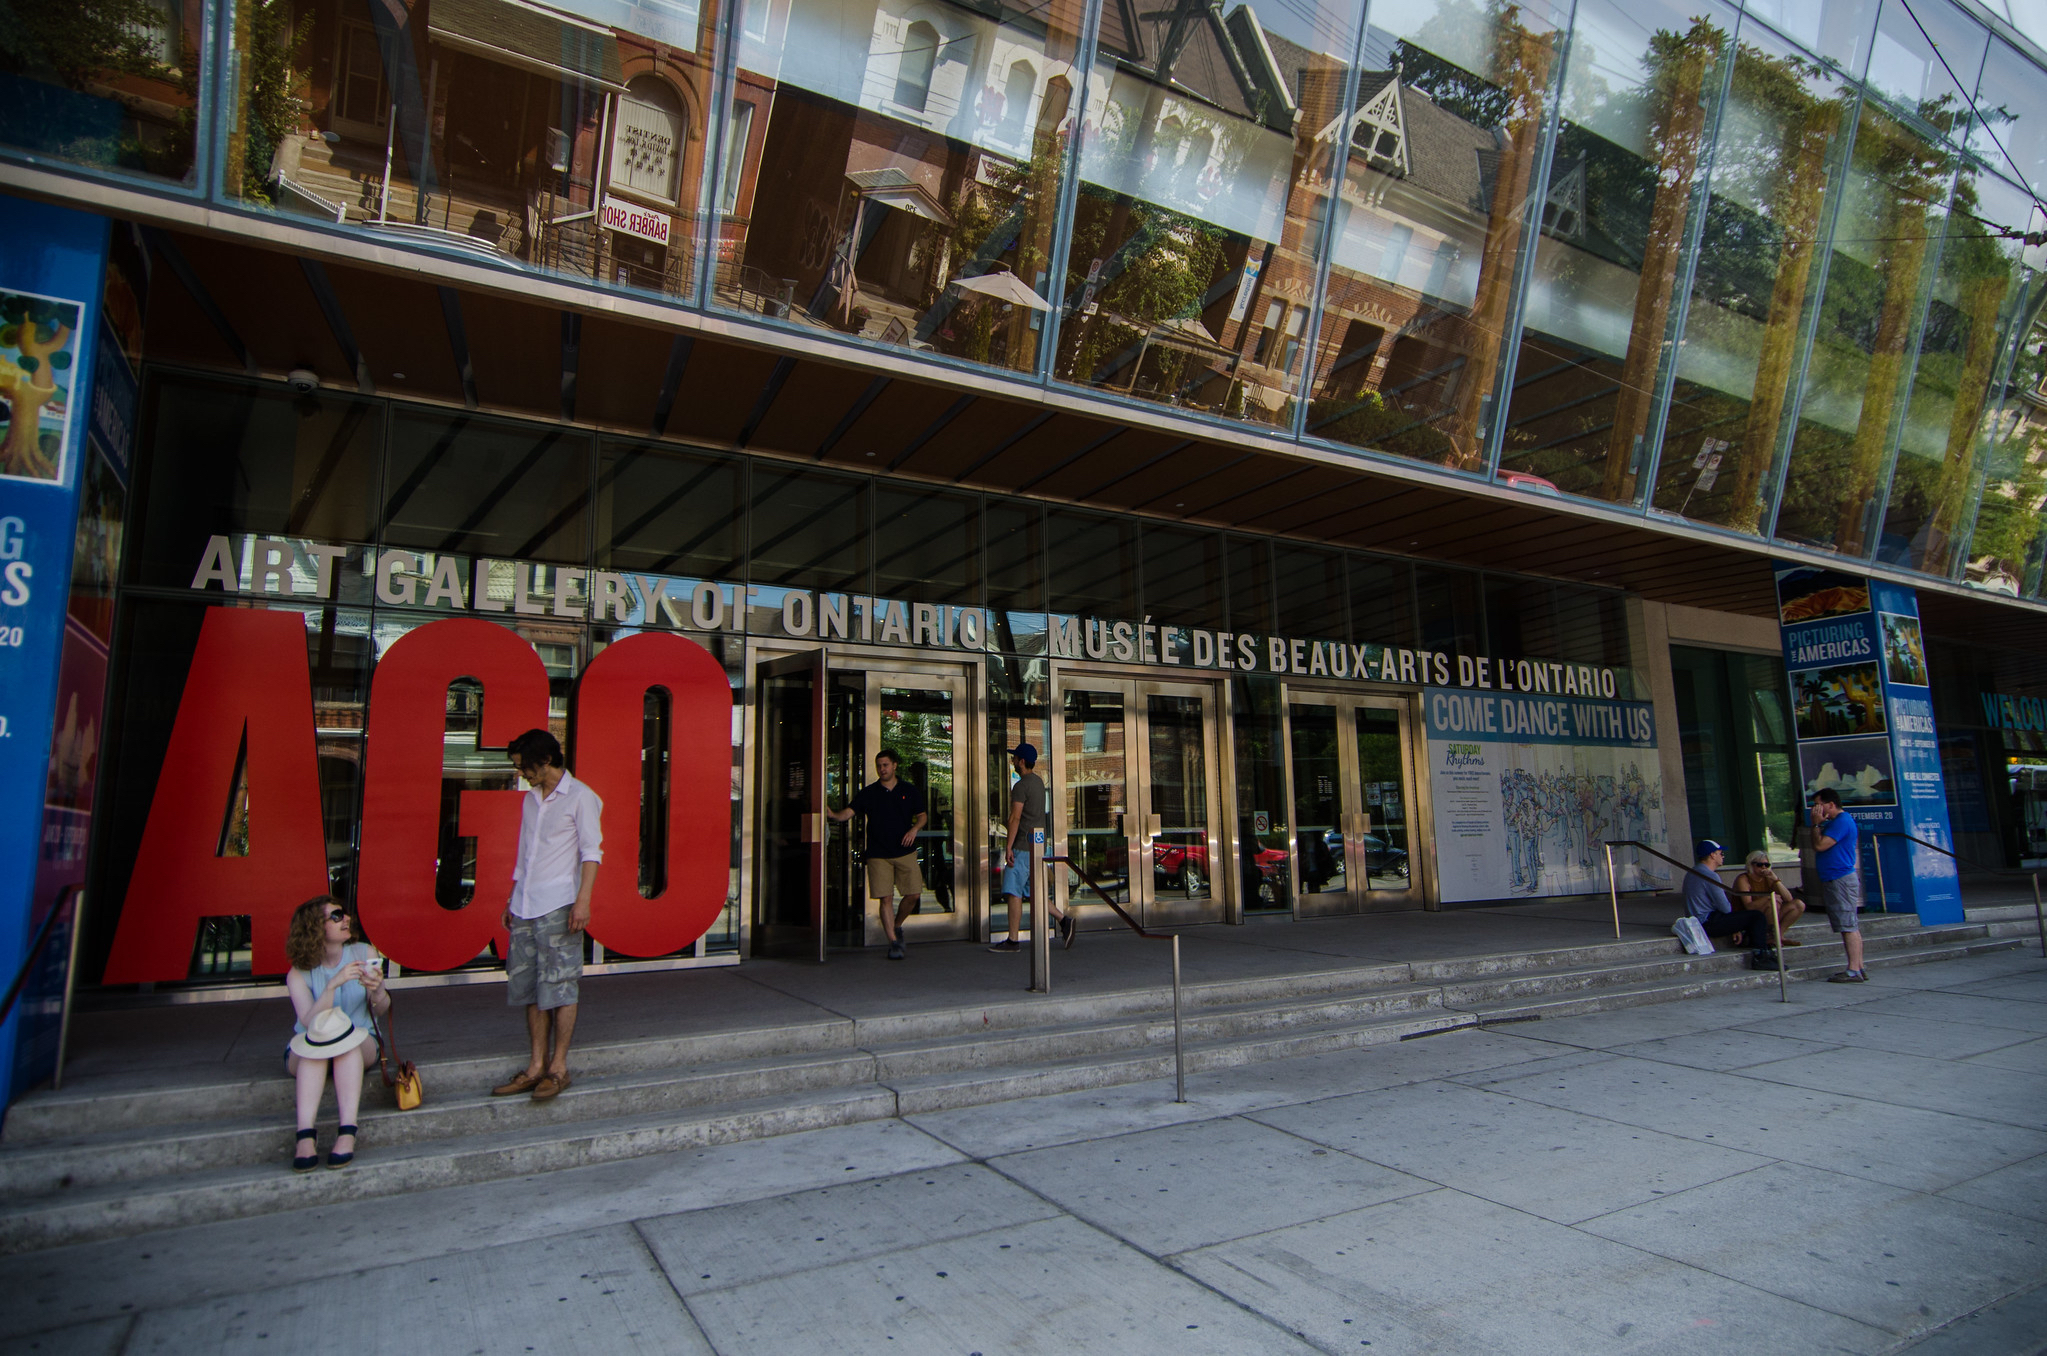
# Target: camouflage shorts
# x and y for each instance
(546, 964)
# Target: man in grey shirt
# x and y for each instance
(1026, 812)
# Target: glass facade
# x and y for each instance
(1754, 266)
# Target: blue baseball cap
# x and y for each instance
(1705, 848)
(1027, 752)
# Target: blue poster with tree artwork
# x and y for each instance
(1862, 716)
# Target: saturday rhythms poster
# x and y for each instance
(1528, 790)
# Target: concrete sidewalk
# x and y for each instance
(1862, 1169)
(126, 1045)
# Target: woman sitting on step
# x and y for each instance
(336, 979)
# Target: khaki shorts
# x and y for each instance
(894, 875)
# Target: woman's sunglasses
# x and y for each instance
(337, 915)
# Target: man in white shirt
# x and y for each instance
(561, 841)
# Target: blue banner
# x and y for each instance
(1862, 716)
(52, 267)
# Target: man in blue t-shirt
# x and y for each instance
(1835, 840)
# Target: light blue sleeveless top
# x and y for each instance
(353, 999)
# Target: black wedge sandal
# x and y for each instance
(306, 1163)
(335, 1160)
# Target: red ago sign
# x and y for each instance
(251, 680)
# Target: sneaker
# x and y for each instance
(1011, 945)
(895, 950)
(1848, 977)
(1066, 929)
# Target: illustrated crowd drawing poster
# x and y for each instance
(1527, 791)
(1862, 716)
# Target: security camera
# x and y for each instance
(302, 380)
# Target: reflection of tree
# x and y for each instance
(1163, 265)
(1521, 62)
(2009, 528)
(1678, 67)
(79, 42)
(1794, 172)
(1983, 275)
(271, 74)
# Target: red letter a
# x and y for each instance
(249, 677)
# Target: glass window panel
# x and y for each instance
(1640, 93)
(1838, 30)
(903, 172)
(1925, 62)
(1592, 628)
(2010, 133)
(1449, 609)
(662, 510)
(486, 487)
(1311, 592)
(1263, 863)
(2010, 535)
(1894, 196)
(1382, 601)
(1016, 545)
(565, 138)
(228, 457)
(1183, 576)
(927, 545)
(1251, 584)
(114, 85)
(810, 531)
(1979, 284)
(1191, 272)
(1776, 152)
(1521, 618)
(1094, 564)
(1432, 207)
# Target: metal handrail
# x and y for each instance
(35, 949)
(2039, 911)
(1776, 922)
(1179, 1052)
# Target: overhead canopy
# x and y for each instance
(893, 188)
(531, 38)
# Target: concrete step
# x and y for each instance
(239, 1192)
(91, 1175)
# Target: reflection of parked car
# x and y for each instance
(1381, 857)
(1172, 863)
(1522, 480)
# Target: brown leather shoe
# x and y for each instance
(550, 1086)
(516, 1084)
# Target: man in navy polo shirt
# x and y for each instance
(1835, 840)
(894, 811)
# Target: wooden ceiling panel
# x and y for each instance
(517, 352)
(401, 328)
(903, 411)
(178, 330)
(619, 376)
(1134, 454)
(812, 401)
(981, 428)
(268, 302)
(1022, 464)
(718, 391)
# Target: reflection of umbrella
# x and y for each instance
(1003, 286)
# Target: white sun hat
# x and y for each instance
(329, 1034)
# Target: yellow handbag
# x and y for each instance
(405, 1085)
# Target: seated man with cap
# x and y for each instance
(1707, 900)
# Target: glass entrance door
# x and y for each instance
(789, 905)
(1353, 791)
(922, 718)
(1138, 799)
